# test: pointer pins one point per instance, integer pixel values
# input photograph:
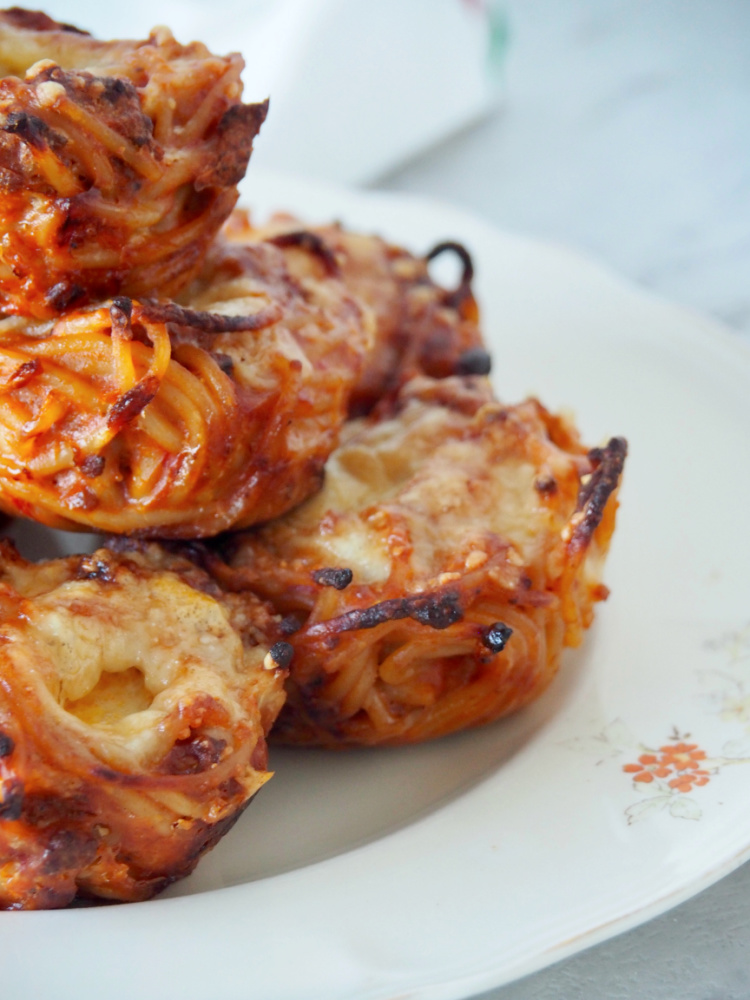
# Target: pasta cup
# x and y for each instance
(118, 162)
(454, 551)
(420, 327)
(155, 419)
(135, 699)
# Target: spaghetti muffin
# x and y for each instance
(432, 584)
(156, 419)
(135, 699)
(420, 327)
(118, 162)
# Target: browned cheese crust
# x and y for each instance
(432, 584)
(118, 162)
(155, 419)
(420, 327)
(134, 707)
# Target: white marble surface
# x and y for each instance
(626, 134)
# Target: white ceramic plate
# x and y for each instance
(439, 871)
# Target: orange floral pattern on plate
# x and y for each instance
(680, 762)
(664, 776)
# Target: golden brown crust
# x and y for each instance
(158, 419)
(134, 706)
(118, 162)
(455, 549)
(420, 327)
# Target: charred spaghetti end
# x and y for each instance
(421, 328)
(474, 534)
(180, 420)
(119, 162)
(134, 710)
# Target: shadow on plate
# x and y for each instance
(36, 541)
(322, 803)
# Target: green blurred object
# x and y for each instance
(498, 39)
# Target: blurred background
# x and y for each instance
(624, 131)
(618, 127)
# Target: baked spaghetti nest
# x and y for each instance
(118, 162)
(454, 550)
(420, 327)
(162, 420)
(134, 707)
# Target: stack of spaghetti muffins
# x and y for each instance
(318, 523)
